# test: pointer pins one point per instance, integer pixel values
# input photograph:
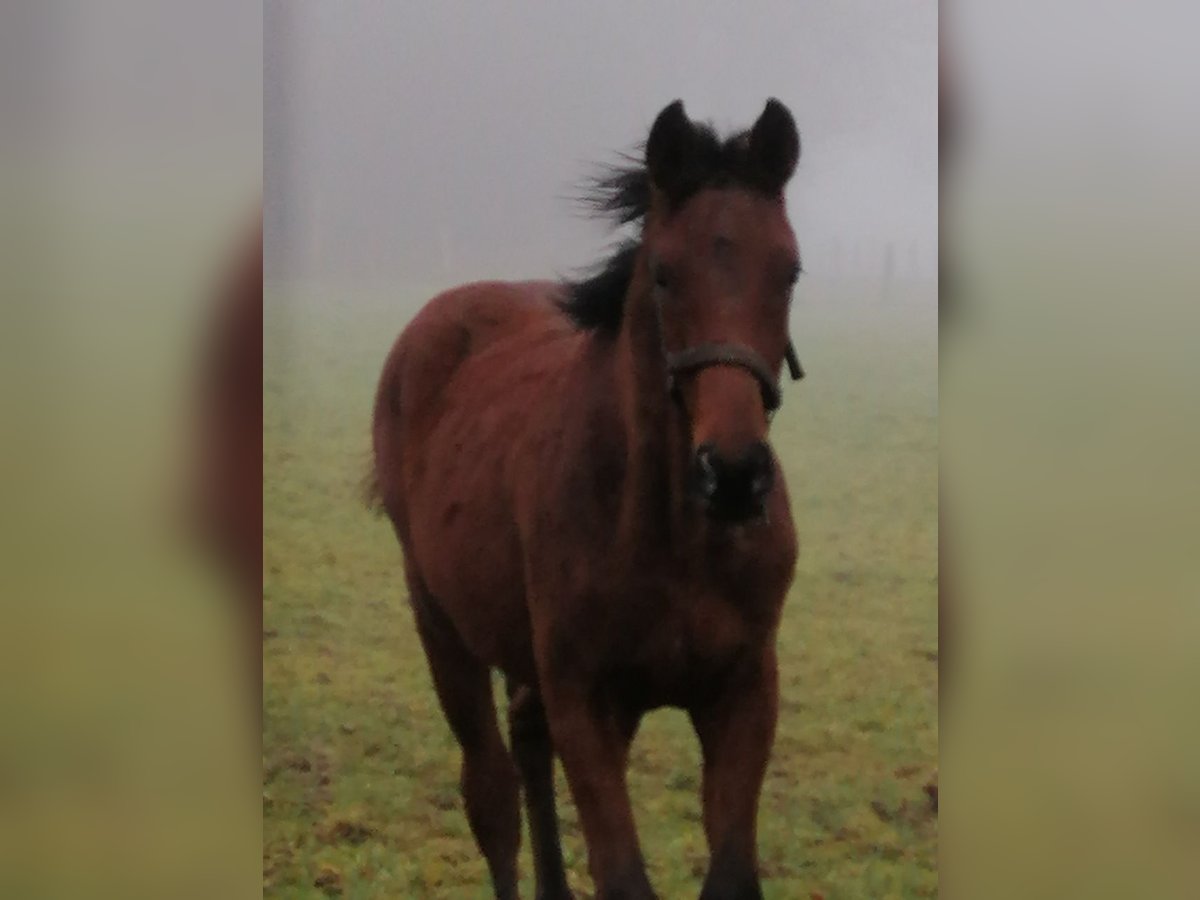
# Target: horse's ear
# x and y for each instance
(774, 146)
(669, 150)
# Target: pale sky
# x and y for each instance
(439, 142)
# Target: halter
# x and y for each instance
(702, 356)
(718, 353)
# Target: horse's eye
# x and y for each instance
(794, 274)
(662, 276)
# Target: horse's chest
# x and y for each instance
(690, 641)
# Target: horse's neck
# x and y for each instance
(653, 433)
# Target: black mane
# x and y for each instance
(622, 194)
(595, 301)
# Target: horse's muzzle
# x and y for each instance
(733, 489)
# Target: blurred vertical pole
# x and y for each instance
(445, 245)
(889, 267)
(280, 211)
(946, 136)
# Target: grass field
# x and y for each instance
(360, 771)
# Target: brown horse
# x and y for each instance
(580, 480)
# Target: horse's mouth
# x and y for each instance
(730, 509)
(740, 521)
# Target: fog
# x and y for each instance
(433, 143)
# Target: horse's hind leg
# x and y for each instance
(489, 780)
(529, 736)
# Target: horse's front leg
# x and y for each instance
(592, 738)
(736, 727)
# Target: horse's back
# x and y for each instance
(457, 396)
(449, 330)
(460, 322)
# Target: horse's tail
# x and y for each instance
(385, 445)
(371, 491)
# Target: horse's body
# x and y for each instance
(538, 475)
(467, 372)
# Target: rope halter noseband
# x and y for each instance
(702, 356)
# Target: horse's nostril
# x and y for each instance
(762, 469)
(733, 488)
(706, 471)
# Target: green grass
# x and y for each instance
(360, 771)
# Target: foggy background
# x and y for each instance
(435, 143)
(131, 148)
(412, 147)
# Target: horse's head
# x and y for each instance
(723, 261)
